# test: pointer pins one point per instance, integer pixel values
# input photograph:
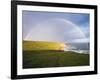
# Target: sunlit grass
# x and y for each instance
(37, 54)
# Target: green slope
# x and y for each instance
(46, 58)
(41, 45)
(38, 54)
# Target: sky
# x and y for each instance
(55, 26)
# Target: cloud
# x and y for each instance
(85, 40)
(86, 30)
(56, 30)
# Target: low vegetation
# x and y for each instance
(34, 57)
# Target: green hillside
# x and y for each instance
(41, 45)
(45, 54)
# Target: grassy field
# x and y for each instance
(38, 58)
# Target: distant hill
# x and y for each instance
(41, 45)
